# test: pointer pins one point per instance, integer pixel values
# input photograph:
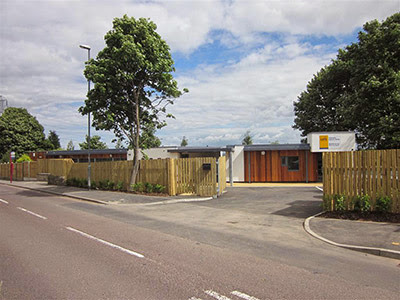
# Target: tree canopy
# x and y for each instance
(54, 140)
(70, 146)
(184, 142)
(20, 132)
(359, 90)
(133, 82)
(95, 143)
(247, 138)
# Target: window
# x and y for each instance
(291, 162)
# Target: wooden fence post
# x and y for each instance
(171, 177)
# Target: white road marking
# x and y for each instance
(4, 201)
(244, 296)
(194, 298)
(130, 252)
(319, 188)
(216, 295)
(32, 213)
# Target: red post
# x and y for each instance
(11, 168)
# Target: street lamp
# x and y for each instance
(89, 166)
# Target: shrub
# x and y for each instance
(110, 185)
(119, 186)
(148, 187)
(138, 187)
(383, 204)
(326, 203)
(24, 157)
(93, 185)
(362, 203)
(339, 203)
(158, 188)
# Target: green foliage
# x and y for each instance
(20, 132)
(78, 182)
(340, 203)
(158, 188)
(247, 138)
(24, 157)
(138, 187)
(147, 187)
(383, 204)
(359, 90)
(133, 82)
(184, 142)
(362, 203)
(326, 203)
(54, 140)
(70, 146)
(120, 186)
(95, 143)
(148, 138)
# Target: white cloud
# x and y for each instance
(41, 64)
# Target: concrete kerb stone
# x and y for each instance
(370, 250)
(176, 201)
(59, 194)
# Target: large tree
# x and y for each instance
(54, 140)
(133, 82)
(95, 143)
(359, 90)
(20, 132)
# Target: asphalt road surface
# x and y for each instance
(234, 247)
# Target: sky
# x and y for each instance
(244, 62)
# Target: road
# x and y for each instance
(59, 248)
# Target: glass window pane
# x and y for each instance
(293, 163)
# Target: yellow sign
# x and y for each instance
(323, 142)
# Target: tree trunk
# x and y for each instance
(135, 169)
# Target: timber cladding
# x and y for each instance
(280, 166)
(375, 173)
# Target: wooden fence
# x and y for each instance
(21, 170)
(186, 175)
(373, 172)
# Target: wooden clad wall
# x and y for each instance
(268, 168)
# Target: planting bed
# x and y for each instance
(363, 216)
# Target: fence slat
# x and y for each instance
(373, 172)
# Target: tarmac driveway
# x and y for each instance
(293, 202)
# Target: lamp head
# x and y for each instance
(85, 47)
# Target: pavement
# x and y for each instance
(370, 237)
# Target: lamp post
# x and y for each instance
(89, 166)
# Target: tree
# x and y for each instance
(247, 138)
(132, 80)
(148, 139)
(95, 143)
(184, 142)
(54, 140)
(359, 90)
(70, 146)
(118, 143)
(20, 132)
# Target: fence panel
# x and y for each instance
(196, 176)
(186, 175)
(221, 174)
(372, 172)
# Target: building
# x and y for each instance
(96, 155)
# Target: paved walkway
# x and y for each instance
(104, 197)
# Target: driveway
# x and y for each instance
(291, 202)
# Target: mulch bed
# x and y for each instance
(363, 216)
